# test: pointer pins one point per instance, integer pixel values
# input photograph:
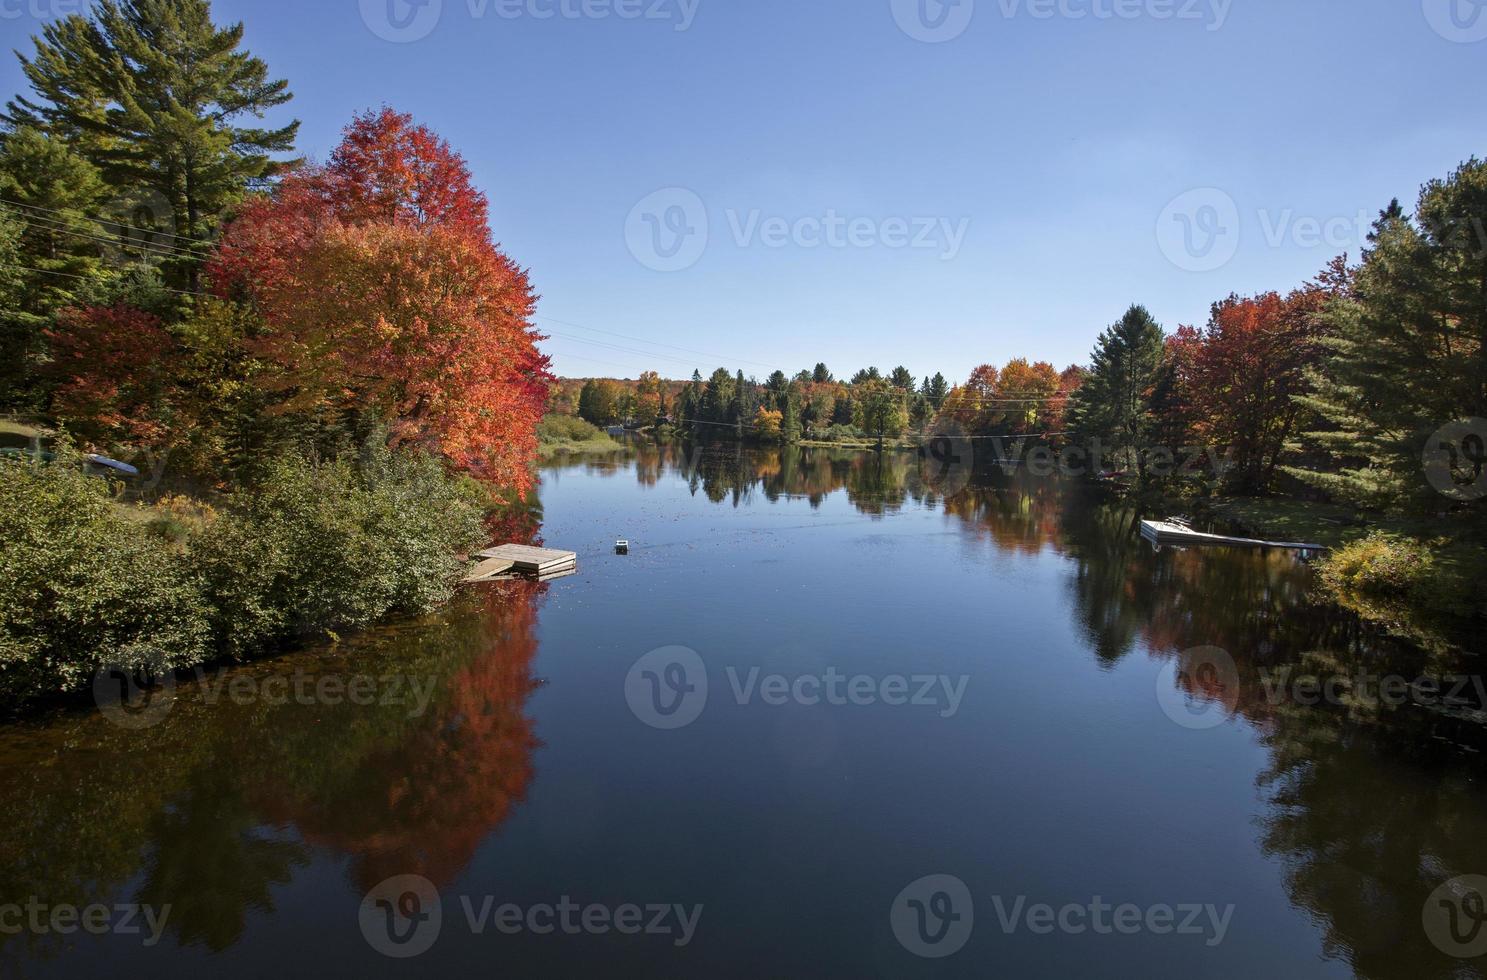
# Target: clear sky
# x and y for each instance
(779, 182)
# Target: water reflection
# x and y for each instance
(1367, 807)
(231, 794)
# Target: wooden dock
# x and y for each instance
(509, 559)
(1167, 532)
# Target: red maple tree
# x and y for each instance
(382, 291)
(112, 367)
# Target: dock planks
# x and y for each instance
(545, 563)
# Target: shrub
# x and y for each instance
(567, 433)
(1425, 589)
(1379, 565)
(317, 549)
(82, 588)
(567, 428)
(838, 433)
(314, 549)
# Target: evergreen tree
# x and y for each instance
(717, 398)
(1113, 403)
(1408, 349)
(743, 408)
(821, 375)
(936, 389)
(901, 379)
(149, 91)
(790, 425)
(778, 384)
(1394, 212)
(689, 402)
(54, 250)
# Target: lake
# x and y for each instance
(834, 715)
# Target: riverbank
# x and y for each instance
(307, 551)
(1388, 569)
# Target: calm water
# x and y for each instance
(1007, 689)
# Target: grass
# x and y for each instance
(565, 434)
(1281, 519)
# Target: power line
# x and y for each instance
(69, 275)
(623, 350)
(102, 221)
(657, 343)
(164, 251)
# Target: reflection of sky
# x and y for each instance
(1058, 778)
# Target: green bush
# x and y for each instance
(568, 433)
(1379, 565)
(567, 428)
(839, 433)
(312, 550)
(82, 588)
(318, 549)
(1425, 589)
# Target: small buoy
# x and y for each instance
(622, 547)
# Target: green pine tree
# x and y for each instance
(150, 92)
(1408, 349)
(1112, 405)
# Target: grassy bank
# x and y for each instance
(567, 434)
(1283, 519)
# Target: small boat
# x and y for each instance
(104, 463)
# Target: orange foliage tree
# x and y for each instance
(382, 293)
(1241, 375)
(113, 367)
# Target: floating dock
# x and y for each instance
(1168, 532)
(504, 561)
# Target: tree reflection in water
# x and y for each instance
(224, 799)
(1368, 808)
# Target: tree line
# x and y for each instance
(812, 404)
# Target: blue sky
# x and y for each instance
(777, 182)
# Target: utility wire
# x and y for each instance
(103, 221)
(69, 275)
(164, 251)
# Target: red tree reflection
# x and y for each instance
(434, 787)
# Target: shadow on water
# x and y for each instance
(1367, 807)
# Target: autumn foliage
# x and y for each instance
(382, 292)
(1019, 399)
(112, 367)
(1238, 378)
